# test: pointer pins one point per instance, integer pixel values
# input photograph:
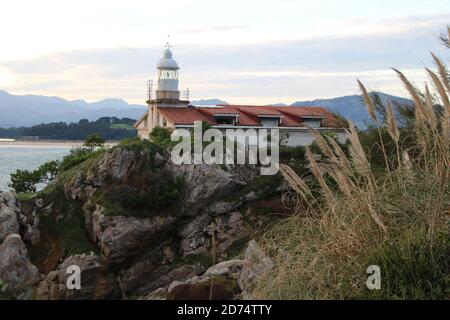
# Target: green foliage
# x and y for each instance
(2, 288)
(122, 126)
(160, 196)
(414, 267)
(65, 226)
(111, 128)
(295, 157)
(374, 146)
(48, 171)
(94, 140)
(79, 155)
(161, 137)
(139, 145)
(25, 181)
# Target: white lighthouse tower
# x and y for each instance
(167, 77)
(167, 95)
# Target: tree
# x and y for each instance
(161, 136)
(24, 181)
(48, 171)
(94, 140)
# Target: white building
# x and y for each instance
(166, 109)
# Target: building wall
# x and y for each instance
(295, 138)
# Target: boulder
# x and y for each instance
(16, 270)
(9, 199)
(205, 183)
(119, 237)
(230, 269)
(158, 294)
(218, 283)
(96, 281)
(8, 221)
(256, 263)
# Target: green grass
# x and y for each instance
(122, 126)
(413, 267)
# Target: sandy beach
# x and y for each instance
(47, 143)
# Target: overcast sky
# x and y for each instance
(248, 52)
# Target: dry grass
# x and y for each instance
(395, 219)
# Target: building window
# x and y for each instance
(270, 122)
(225, 120)
(312, 122)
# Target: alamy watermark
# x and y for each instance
(74, 279)
(374, 280)
(227, 146)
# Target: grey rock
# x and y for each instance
(256, 263)
(218, 282)
(16, 270)
(8, 221)
(222, 207)
(120, 237)
(158, 294)
(230, 269)
(204, 183)
(96, 282)
(9, 199)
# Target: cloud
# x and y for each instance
(264, 72)
(219, 28)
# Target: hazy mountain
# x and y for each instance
(208, 102)
(27, 110)
(351, 107)
(277, 105)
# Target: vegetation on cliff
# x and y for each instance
(384, 202)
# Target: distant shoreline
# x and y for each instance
(49, 143)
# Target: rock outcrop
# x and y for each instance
(218, 283)
(17, 273)
(228, 280)
(155, 228)
(8, 221)
(256, 264)
(16, 270)
(96, 282)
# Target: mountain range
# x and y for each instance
(27, 110)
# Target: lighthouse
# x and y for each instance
(167, 95)
(167, 77)
(167, 110)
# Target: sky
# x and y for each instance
(247, 52)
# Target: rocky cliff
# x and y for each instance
(138, 226)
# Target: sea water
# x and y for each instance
(29, 157)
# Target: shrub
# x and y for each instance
(137, 144)
(161, 137)
(25, 181)
(79, 155)
(94, 140)
(161, 195)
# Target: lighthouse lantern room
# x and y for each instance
(167, 77)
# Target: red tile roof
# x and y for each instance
(180, 116)
(248, 115)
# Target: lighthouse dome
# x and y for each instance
(167, 62)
